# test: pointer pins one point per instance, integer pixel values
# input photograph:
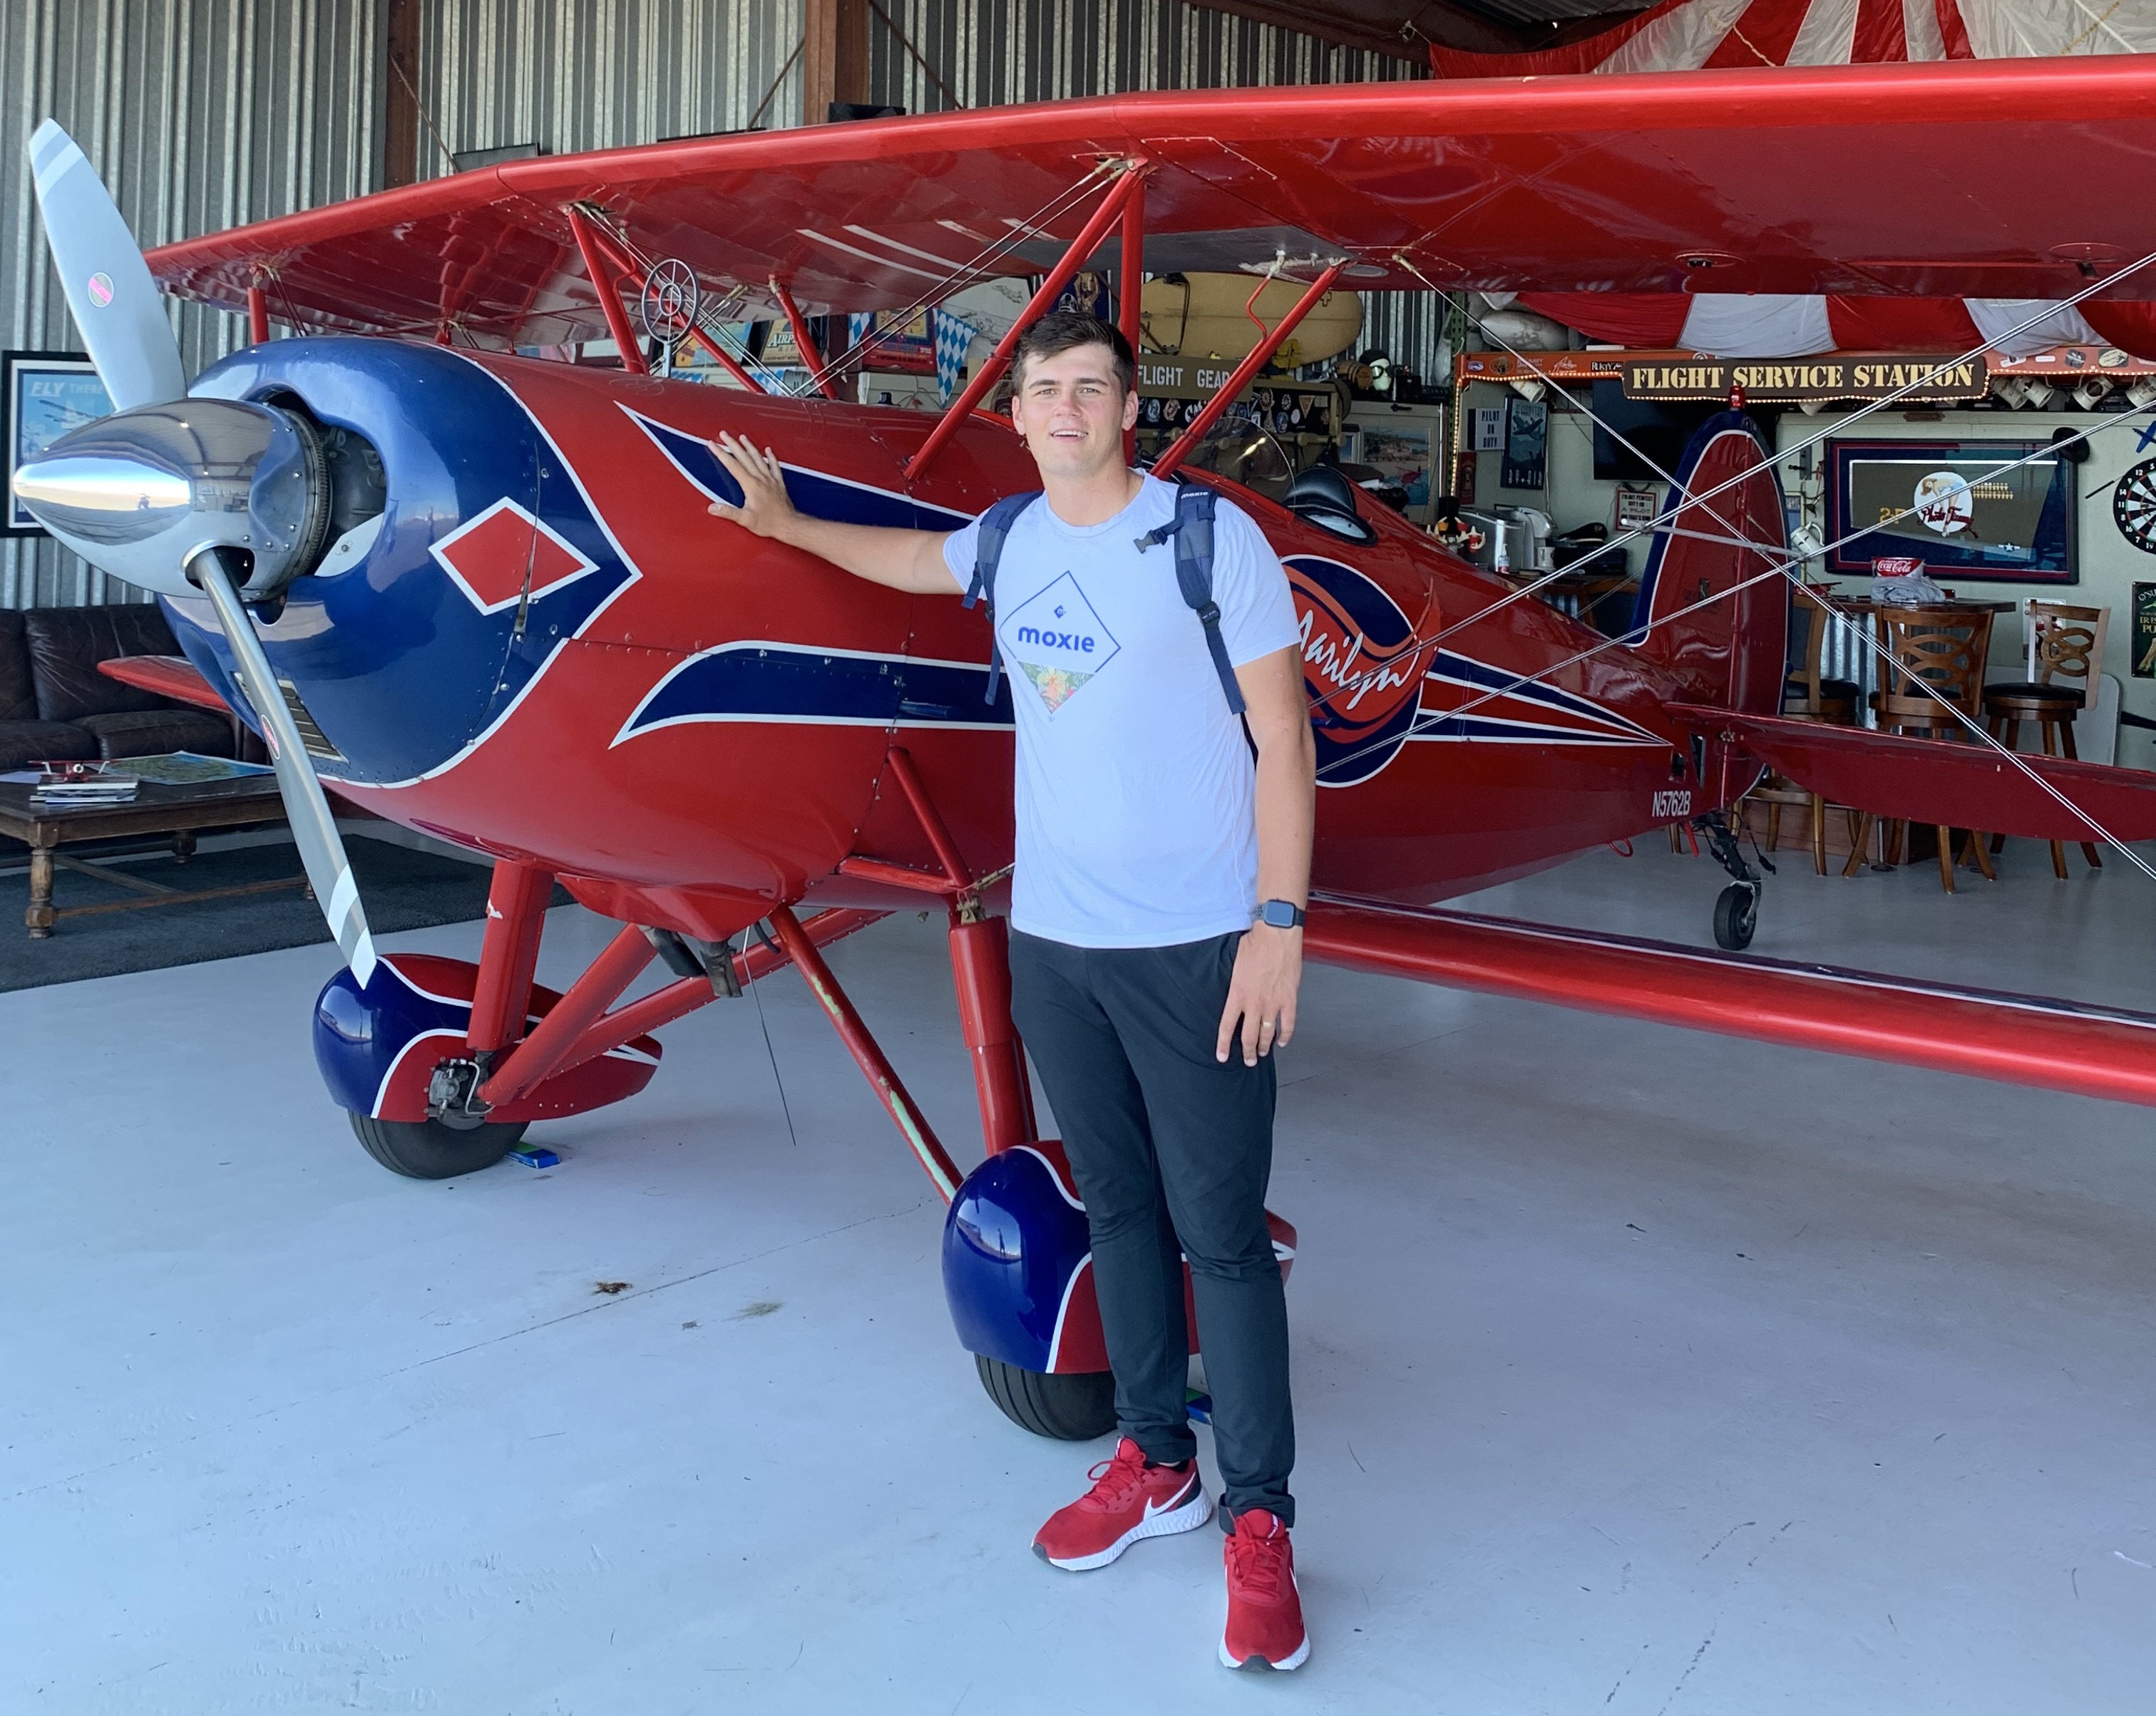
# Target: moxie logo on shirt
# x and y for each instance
(1361, 664)
(1057, 641)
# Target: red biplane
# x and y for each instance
(481, 595)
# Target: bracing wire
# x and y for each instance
(1780, 567)
(1841, 424)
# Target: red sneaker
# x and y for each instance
(1265, 1608)
(1129, 1500)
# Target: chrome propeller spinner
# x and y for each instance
(177, 494)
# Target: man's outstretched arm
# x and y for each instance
(905, 560)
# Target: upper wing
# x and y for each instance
(1990, 178)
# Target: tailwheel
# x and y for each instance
(1736, 916)
(430, 1149)
(1070, 1407)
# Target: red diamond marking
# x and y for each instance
(488, 557)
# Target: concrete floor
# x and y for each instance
(1638, 1372)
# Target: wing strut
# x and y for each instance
(804, 342)
(638, 272)
(1120, 195)
(602, 283)
(1201, 424)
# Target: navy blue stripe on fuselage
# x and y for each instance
(814, 492)
(792, 683)
(1465, 671)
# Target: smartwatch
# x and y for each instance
(1280, 915)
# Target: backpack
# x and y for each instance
(1192, 527)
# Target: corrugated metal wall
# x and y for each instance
(201, 115)
(205, 114)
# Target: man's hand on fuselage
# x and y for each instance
(902, 559)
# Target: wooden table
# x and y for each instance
(179, 810)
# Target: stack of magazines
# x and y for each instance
(81, 789)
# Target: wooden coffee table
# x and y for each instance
(182, 811)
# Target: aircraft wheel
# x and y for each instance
(1071, 1408)
(427, 1150)
(1736, 916)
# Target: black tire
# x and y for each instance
(1736, 916)
(427, 1150)
(1069, 1408)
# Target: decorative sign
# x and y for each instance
(1526, 445)
(1930, 380)
(1174, 390)
(1973, 509)
(1489, 421)
(2144, 631)
(47, 393)
(1635, 507)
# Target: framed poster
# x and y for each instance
(1953, 505)
(1527, 444)
(2143, 664)
(47, 393)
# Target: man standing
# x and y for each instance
(1157, 940)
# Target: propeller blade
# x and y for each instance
(306, 806)
(108, 284)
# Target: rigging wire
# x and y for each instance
(1839, 426)
(1780, 568)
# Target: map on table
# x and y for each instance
(186, 768)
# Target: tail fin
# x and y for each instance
(1729, 652)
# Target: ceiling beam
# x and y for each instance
(1377, 28)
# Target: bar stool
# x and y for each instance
(1807, 695)
(1929, 650)
(2064, 652)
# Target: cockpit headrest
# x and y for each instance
(1323, 495)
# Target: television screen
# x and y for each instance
(1658, 429)
(1971, 508)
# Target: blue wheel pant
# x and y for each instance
(1172, 1151)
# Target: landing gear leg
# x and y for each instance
(1737, 912)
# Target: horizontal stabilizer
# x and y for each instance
(1941, 781)
(172, 676)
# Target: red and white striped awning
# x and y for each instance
(1758, 325)
(1693, 35)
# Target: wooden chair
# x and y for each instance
(2063, 648)
(1807, 695)
(1931, 654)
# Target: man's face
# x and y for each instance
(1071, 412)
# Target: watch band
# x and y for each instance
(1280, 914)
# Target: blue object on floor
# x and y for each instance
(536, 1158)
(1199, 1407)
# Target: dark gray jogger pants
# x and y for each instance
(1172, 1151)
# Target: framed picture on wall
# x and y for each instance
(1956, 505)
(47, 393)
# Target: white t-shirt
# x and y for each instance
(1135, 796)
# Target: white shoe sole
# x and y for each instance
(1192, 1514)
(1300, 1655)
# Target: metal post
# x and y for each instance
(869, 1058)
(932, 823)
(633, 269)
(804, 342)
(980, 967)
(617, 319)
(1074, 259)
(1203, 421)
(516, 914)
(1132, 291)
(541, 1053)
(663, 1006)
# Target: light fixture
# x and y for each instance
(2090, 390)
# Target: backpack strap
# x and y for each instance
(1192, 527)
(987, 553)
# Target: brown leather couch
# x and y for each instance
(55, 704)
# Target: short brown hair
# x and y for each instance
(1065, 331)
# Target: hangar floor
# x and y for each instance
(1637, 1371)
